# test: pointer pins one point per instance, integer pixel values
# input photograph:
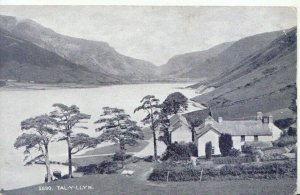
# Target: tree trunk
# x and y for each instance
(169, 138)
(69, 155)
(47, 162)
(154, 144)
(193, 134)
(154, 136)
(122, 150)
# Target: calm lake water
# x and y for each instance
(22, 104)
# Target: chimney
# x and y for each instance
(270, 119)
(259, 116)
(220, 119)
(265, 120)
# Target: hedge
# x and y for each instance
(233, 160)
(250, 171)
(105, 167)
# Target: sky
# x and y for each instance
(156, 34)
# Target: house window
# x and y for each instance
(256, 138)
(242, 138)
(213, 150)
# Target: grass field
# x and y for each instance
(108, 151)
(113, 148)
(137, 184)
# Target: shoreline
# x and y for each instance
(19, 86)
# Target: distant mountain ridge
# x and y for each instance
(96, 62)
(97, 56)
(179, 65)
(219, 58)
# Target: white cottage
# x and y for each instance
(180, 129)
(261, 129)
(181, 125)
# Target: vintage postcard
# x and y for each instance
(148, 99)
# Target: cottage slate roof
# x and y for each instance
(238, 128)
(176, 121)
(247, 127)
(197, 117)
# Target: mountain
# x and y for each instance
(181, 64)
(263, 81)
(24, 61)
(96, 56)
(223, 57)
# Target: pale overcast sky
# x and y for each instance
(156, 34)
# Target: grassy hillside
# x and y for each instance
(228, 58)
(264, 81)
(23, 61)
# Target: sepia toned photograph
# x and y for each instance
(125, 100)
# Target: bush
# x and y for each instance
(284, 123)
(176, 152)
(120, 156)
(149, 158)
(292, 131)
(234, 152)
(208, 148)
(285, 141)
(233, 160)
(225, 144)
(249, 147)
(105, 167)
(134, 159)
(193, 149)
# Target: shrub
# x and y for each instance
(285, 140)
(149, 158)
(120, 156)
(251, 147)
(234, 152)
(225, 144)
(193, 149)
(233, 160)
(176, 152)
(208, 148)
(284, 123)
(134, 159)
(292, 131)
(105, 167)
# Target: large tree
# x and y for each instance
(116, 126)
(164, 126)
(68, 118)
(41, 130)
(174, 103)
(151, 106)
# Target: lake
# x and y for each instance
(18, 105)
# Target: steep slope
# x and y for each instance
(230, 56)
(23, 61)
(95, 55)
(180, 64)
(264, 81)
